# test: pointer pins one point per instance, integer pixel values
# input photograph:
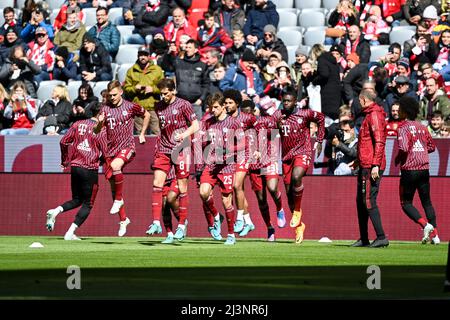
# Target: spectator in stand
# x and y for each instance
(36, 20)
(106, 32)
(437, 127)
(354, 42)
(234, 54)
(40, 51)
(212, 58)
(183, 4)
(150, 16)
(340, 20)
(433, 100)
(421, 30)
(442, 64)
(4, 100)
(345, 144)
(271, 43)
(263, 13)
(393, 121)
(431, 18)
(81, 106)
(219, 73)
(268, 71)
(159, 46)
(11, 40)
(376, 30)
(337, 52)
(61, 18)
(10, 21)
(354, 78)
(56, 112)
(191, 76)
(65, 68)
(244, 77)
(425, 51)
(281, 81)
(308, 75)
(301, 56)
(389, 61)
(402, 88)
(229, 16)
(21, 109)
(141, 88)
(18, 67)
(29, 6)
(330, 85)
(425, 72)
(392, 11)
(71, 34)
(179, 26)
(212, 36)
(414, 10)
(95, 62)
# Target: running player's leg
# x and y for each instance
(206, 189)
(240, 199)
(271, 181)
(425, 199)
(407, 190)
(227, 201)
(159, 179)
(117, 177)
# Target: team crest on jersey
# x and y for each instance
(300, 120)
(174, 111)
(124, 113)
(225, 129)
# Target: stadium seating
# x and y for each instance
(195, 16)
(287, 19)
(303, 4)
(7, 3)
(293, 10)
(296, 28)
(413, 28)
(313, 36)
(20, 4)
(125, 32)
(55, 4)
(330, 5)
(99, 86)
(114, 14)
(311, 19)
(2, 19)
(127, 54)
(72, 87)
(291, 53)
(53, 15)
(45, 89)
(91, 18)
(378, 51)
(284, 3)
(401, 35)
(290, 37)
(122, 72)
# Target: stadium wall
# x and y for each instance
(328, 204)
(41, 154)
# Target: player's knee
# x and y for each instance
(204, 194)
(171, 198)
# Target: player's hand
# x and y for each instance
(179, 136)
(318, 148)
(375, 173)
(141, 138)
(101, 117)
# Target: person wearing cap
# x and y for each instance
(414, 10)
(106, 32)
(141, 87)
(95, 62)
(153, 14)
(40, 51)
(338, 53)
(282, 79)
(271, 43)
(354, 78)
(301, 56)
(65, 67)
(159, 46)
(37, 20)
(262, 14)
(244, 77)
(11, 39)
(10, 21)
(402, 87)
(71, 33)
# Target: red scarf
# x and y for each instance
(248, 75)
(150, 8)
(172, 31)
(349, 47)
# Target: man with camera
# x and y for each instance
(37, 20)
(344, 148)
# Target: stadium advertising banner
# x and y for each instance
(41, 154)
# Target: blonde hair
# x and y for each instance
(3, 94)
(237, 33)
(315, 53)
(62, 92)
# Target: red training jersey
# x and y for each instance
(119, 126)
(267, 142)
(415, 142)
(81, 147)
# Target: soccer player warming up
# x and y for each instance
(414, 144)
(218, 141)
(171, 205)
(117, 116)
(84, 159)
(293, 123)
(177, 122)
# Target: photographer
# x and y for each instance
(344, 148)
(37, 20)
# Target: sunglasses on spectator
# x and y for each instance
(269, 35)
(39, 35)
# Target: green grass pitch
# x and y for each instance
(143, 268)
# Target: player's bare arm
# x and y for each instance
(195, 126)
(144, 127)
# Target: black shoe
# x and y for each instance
(360, 243)
(379, 243)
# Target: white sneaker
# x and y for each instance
(51, 219)
(71, 237)
(435, 240)
(116, 206)
(426, 233)
(123, 227)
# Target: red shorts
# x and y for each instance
(127, 155)
(171, 185)
(242, 166)
(164, 163)
(298, 161)
(257, 176)
(225, 181)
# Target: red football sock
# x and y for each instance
(122, 214)
(278, 201)
(184, 202)
(157, 197)
(210, 205)
(298, 194)
(422, 222)
(230, 213)
(118, 184)
(209, 217)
